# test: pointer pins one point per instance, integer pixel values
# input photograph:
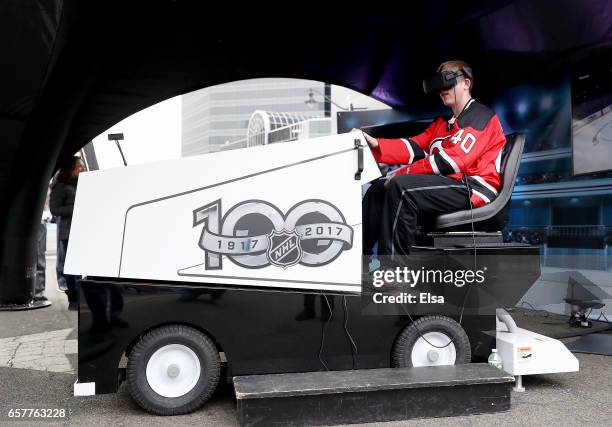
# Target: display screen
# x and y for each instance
(592, 116)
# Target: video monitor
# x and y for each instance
(592, 116)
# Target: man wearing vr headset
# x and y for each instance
(453, 165)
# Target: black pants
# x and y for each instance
(390, 213)
(41, 262)
(72, 292)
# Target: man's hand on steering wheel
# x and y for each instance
(372, 142)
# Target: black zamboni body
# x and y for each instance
(263, 330)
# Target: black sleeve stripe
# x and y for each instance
(419, 153)
(443, 166)
(475, 185)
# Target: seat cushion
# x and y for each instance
(491, 213)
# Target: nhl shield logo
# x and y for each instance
(284, 248)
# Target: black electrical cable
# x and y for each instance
(324, 330)
(469, 190)
(469, 195)
(467, 292)
(348, 334)
(545, 313)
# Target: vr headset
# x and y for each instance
(445, 80)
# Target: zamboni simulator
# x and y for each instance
(247, 262)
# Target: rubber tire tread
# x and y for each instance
(150, 342)
(402, 349)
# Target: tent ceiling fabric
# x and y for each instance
(139, 53)
(73, 68)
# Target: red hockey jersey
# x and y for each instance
(470, 145)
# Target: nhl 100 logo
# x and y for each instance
(256, 234)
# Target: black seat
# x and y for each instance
(492, 216)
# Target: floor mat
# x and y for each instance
(553, 325)
(592, 344)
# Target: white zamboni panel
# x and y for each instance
(527, 353)
(140, 222)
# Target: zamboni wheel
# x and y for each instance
(431, 341)
(173, 370)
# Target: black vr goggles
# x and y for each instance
(445, 80)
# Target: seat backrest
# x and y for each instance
(510, 162)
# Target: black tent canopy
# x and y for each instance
(71, 69)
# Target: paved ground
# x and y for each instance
(37, 361)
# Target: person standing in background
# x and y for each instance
(41, 263)
(60, 255)
(61, 203)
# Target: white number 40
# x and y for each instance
(467, 142)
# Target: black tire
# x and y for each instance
(402, 350)
(210, 368)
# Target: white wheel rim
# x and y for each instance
(424, 354)
(173, 370)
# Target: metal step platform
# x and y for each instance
(371, 395)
